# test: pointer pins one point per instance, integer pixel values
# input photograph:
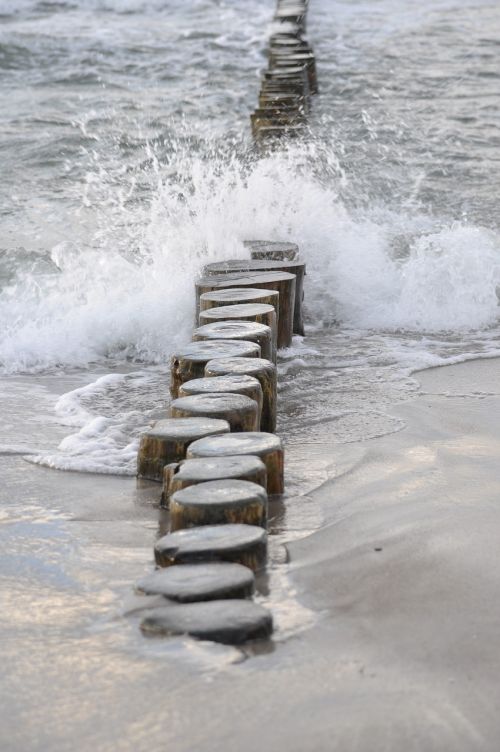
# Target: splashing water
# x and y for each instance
(142, 172)
(128, 293)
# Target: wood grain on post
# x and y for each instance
(199, 582)
(295, 267)
(270, 88)
(250, 331)
(282, 59)
(282, 282)
(279, 41)
(235, 295)
(271, 115)
(263, 370)
(243, 544)
(189, 361)
(267, 446)
(242, 413)
(230, 622)
(272, 250)
(283, 97)
(263, 118)
(241, 296)
(274, 135)
(298, 72)
(292, 14)
(218, 502)
(295, 79)
(230, 384)
(259, 313)
(190, 472)
(167, 442)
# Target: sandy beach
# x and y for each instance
(143, 141)
(392, 602)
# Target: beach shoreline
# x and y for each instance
(400, 652)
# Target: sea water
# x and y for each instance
(127, 164)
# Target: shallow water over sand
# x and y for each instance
(407, 520)
(127, 157)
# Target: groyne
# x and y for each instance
(289, 81)
(217, 453)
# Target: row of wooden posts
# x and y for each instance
(290, 79)
(217, 454)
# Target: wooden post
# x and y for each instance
(264, 118)
(282, 282)
(243, 544)
(189, 362)
(199, 582)
(284, 58)
(233, 266)
(187, 473)
(242, 413)
(283, 97)
(218, 502)
(230, 622)
(267, 446)
(276, 134)
(270, 250)
(259, 313)
(230, 384)
(236, 295)
(250, 331)
(290, 86)
(168, 440)
(263, 370)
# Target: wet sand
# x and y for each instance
(401, 648)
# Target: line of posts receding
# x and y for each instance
(290, 79)
(217, 454)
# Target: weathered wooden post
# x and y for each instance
(281, 80)
(189, 361)
(271, 250)
(259, 313)
(286, 41)
(236, 295)
(230, 622)
(250, 331)
(199, 582)
(275, 135)
(287, 58)
(283, 97)
(281, 281)
(298, 268)
(263, 370)
(229, 384)
(242, 413)
(267, 446)
(218, 502)
(292, 15)
(243, 544)
(187, 473)
(296, 74)
(272, 116)
(167, 441)
(272, 90)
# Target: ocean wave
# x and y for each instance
(126, 292)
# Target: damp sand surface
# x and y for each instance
(387, 615)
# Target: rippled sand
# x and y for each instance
(387, 616)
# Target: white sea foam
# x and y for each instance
(127, 290)
(110, 413)
(123, 289)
